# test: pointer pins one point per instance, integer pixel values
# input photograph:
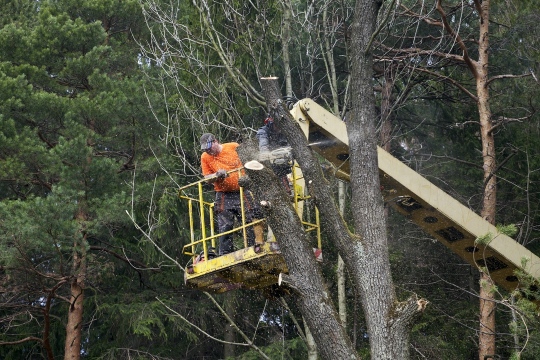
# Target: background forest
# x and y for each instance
(102, 103)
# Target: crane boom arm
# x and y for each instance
(440, 215)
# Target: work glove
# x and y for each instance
(221, 174)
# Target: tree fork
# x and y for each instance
(305, 276)
(386, 324)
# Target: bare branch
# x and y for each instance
(233, 324)
(449, 80)
(198, 328)
(507, 76)
(131, 262)
(500, 165)
(26, 339)
(503, 120)
(470, 62)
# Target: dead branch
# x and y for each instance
(507, 76)
(26, 339)
(503, 120)
(450, 81)
(233, 324)
(470, 62)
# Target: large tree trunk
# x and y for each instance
(72, 348)
(388, 321)
(487, 304)
(387, 325)
(305, 279)
(479, 69)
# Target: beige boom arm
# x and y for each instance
(440, 215)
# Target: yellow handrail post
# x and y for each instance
(295, 195)
(242, 209)
(191, 229)
(203, 223)
(212, 231)
(319, 242)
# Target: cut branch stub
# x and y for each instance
(254, 165)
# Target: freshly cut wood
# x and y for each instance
(254, 165)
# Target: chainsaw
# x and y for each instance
(278, 156)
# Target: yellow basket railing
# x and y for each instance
(203, 232)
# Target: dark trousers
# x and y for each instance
(228, 208)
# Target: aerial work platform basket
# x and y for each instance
(249, 267)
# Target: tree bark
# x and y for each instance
(486, 339)
(72, 348)
(285, 39)
(305, 279)
(340, 272)
(388, 321)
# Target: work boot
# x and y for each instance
(259, 236)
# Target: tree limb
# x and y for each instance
(298, 327)
(500, 165)
(196, 327)
(470, 62)
(449, 80)
(504, 120)
(381, 25)
(313, 300)
(26, 339)
(506, 76)
(233, 324)
(123, 258)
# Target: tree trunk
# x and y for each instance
(486, 337)
(487, 303)
(305, 279)
(72, 348)
(340, 272)
(388, 321)
(285, 39)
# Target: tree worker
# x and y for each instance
(274, 147)
(271, 140)
(217, 161)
